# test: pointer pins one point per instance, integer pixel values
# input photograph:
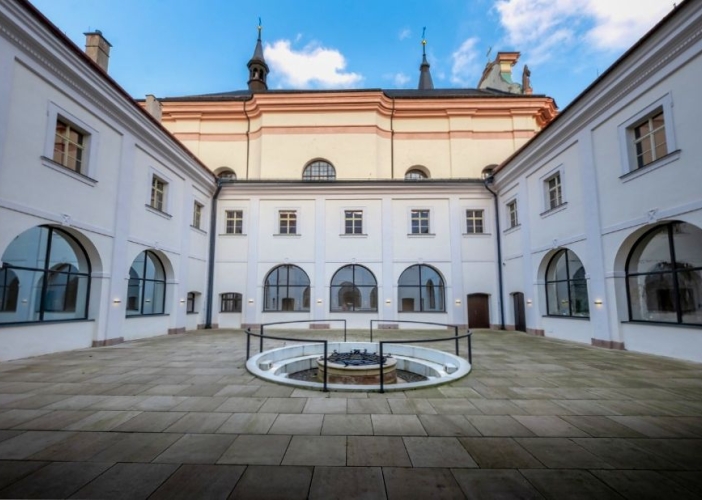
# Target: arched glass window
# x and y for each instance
(319, 170)
(664, 275)
(9, 290)
(416, 174)
(286, 288)
(566, 286)
(420, 289)
(226, 174)
(45, 277)
(354, 288)
(146, 291)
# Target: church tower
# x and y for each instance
(258, 69)
(425, 81)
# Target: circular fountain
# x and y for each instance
(346, 373)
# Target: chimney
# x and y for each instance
(97, 48)
(153, 106)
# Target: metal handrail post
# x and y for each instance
(248, 343)
(455, 332)
(260, 345)
(382, 389)
(371, 330)
(344, 330)
(326, 371)
(470, 347)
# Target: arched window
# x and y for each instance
(54, 271)
(416, 174)
(566, 286)
(420, 289)
(354, 288)
(286, 288)
(9, 290)
(146, 291)
(319, 170)
(664, 275)
(225, 173)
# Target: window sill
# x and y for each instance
(470, 235)
(286, 235)
(231, 234)
(587, 318)
(48, 162)
(422, 312)
(353, 235)
(52, 321)
(655, 165)
(512, 229)
(158, 212)
(662, 323)
(276, 311)
(130, 316)
(189, 313)
(229, 312)
(421, 235)
(554, 210)
(197, 229)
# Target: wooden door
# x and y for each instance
(519, 314)
(478, 310)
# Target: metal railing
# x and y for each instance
(264, 325)
(455, 328)
(250, 334)
(423, 341)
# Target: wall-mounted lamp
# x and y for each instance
(250, 301)
(117, 301)
(319, 301)
(528, 302)
(147, 300)
(182, 301)
(458, 302)
(388, 302)
(598, 302)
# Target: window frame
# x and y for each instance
(626, 131)
(569, 283)
(226, 220)
(554, 194)
(197, 214)
(441, 286)
(142, 287)
(230, 302)
(306, 290)
(373, 293)
(512, 222)
(191, 302)
(294, 219)
(474, 219)
(326, 175)
(354, 222)
(88, 173)
(416, 173)
(420, 219)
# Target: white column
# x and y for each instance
(251, 311)
(320, 290)
(456, 313)
(386, 311)
(7, 67)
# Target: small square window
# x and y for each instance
(554, 193)
(649, 139)
(69, 146)
(287, 221)
(353, 221)
(158, 194)
(474, 222)
(231, 302)
(197, 214)
(234, 222)
(513, 216)
(419, 221)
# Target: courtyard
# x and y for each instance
(180, 417)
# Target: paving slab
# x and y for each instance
(499, 426)
(56, 480)
(342, 483)
(690, 480)
(150, 421)
(371, 406)
(571, 484)
(199, 481)
(240, 405)
(136, 447)
(374, 451)
(685, 453)
(12, 471)
(639, 485)
(29, 443)
(563, 453)
(248, 423)
(79, 446)
(316, 450)
(196, 449)
(448, 425)
(200, 403)
(307, 424)
(199, 423)
(403, 483)
(549, 426)
(437, 452)
(599, 426)
(283, 405)
(254, 449)
(325, 405)
(497, 407)
(486, 484)
(499, 453)
(12, 418)
(347, 425)
(397, 425)
(102, 420)
(127, 481)
(274, 483)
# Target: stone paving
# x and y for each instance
(180, 417)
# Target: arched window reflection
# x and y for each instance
(354, 289)
(421, 289)
(566, 286)
(146, 291)
(286, 288)
(45, 276)
(664, 275)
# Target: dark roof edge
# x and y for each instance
(649, 34)
(401, 182)
(81, 54)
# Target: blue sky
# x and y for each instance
(183, 47)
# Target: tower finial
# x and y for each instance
(259, 29)
(424, 41)
(425, 81)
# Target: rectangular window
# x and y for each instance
(353, 222)
(649, 139)
(158, 194)
(513, 218)
(231, 302)
(197, 214)
(234, 222)
(554, 194)
(191, 303)
(287, 220)
(474, 222)
(420, 221)
(69, 146)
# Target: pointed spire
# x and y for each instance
(425, 81)
(258, 69)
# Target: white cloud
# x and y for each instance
(465, 69)
(401, 80)
(541, 27)
(404, 33)
(311, 66)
